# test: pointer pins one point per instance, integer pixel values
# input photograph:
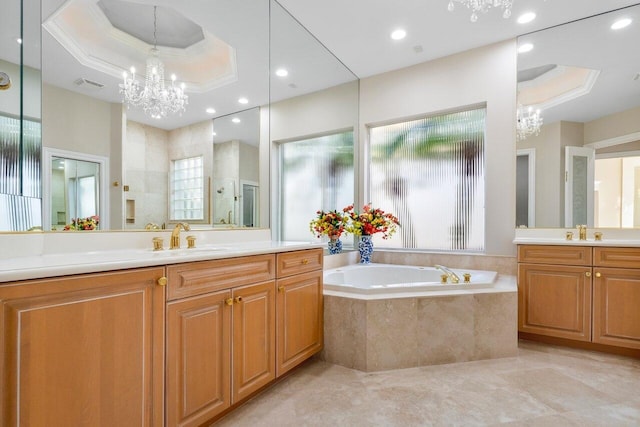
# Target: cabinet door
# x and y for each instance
(83, 350)
(616, 302)
(254, 338)
(198, 358)
(299, 319)
(555, 300)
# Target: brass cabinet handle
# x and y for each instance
(162, 281)
(229, 301)
(588, 274)
(598, 274)
(305, 261)
(280, 288)
(237, 299)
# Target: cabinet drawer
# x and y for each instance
(616, 257)
(290, 263)
(548, 254)
(196, 278)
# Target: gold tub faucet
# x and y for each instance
(175, 234)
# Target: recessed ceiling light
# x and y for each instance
(214, 134)
(526, 17)
(398, 34)
(527, 47)
(243, 100)
(621, 23)
(19, 40)
(235, 120)
(211, 110)
(282, 72)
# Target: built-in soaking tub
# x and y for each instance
(384, 316)
(391, 279)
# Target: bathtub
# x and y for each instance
(397, 279)
(384, 316)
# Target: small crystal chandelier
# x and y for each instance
(483, 6)
(529, 122)
(155, 98)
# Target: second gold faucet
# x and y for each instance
(175, 234)
(582, 232)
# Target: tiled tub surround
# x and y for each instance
(382, 332)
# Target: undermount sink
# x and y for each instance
(189, 251)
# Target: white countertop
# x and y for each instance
(34, 266)
(557, 236)
(576, 242)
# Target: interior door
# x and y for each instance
(579, 186)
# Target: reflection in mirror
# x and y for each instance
(74, 191)
(220, 50)
(82, 110)
(20, 142)
(313, 124)
(236, 139)
(581, 168)
(75, 184)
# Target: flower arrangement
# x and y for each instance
(89, 223)
(371, 221)
(330, 223)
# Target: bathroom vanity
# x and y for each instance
(582, 293)
(179, 342)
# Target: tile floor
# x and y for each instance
(542, 386)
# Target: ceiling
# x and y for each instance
(355, 31)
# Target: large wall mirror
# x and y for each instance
(209, 164)
(582, 166)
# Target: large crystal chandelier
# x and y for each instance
(483, 6)
(529, 122)
(155, 98)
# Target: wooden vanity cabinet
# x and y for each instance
(220, 335)
(299, 307)
(580, 293)
(616, 297)
(83, 350)
(554, 291)
(198, 363)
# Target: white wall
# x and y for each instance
(484, 75)
(75, 122)
(10, 98)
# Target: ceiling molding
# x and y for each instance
(610, 142)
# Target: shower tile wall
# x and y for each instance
(146, 165)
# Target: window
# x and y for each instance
(429, 173)
(316, 174)
(187, 189)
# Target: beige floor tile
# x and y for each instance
(542, 386)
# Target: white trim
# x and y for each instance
(531, 155)
(618, 155)
(47, 155)
(583, 89)
(622, 139)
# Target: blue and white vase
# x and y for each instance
(365, 246)
(335, 245)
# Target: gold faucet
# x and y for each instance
(175, 234)
(453, 277)
(582, 232)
